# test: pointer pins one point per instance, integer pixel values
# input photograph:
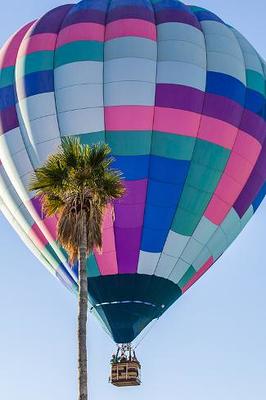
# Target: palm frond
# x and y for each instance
(78, 182)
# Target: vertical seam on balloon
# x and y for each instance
(54, 55)
(218, 226)
(105, 137)
(152, 126)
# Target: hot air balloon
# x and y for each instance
(179, 96)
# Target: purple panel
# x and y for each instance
(127, 249)
(253, 125)
(253, 185)
(222, 108)
(172, 15)
(179, 96)
(135, 192)
(8, 120)
(96, 16)
(130, 12)
(37, 204)
(51, 22)
(129, 215)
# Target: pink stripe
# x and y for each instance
(107, 259)
(176, 121)
(51, 225)
(239, 168)
(198, 274)
(38, 235)
(129, 118)
(81, 31)
(247, 146)
(217, 210)
(40, 42)
(9, 51)
(231, 184)
(216, 131)
(130, 27)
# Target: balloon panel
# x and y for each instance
(180, 98)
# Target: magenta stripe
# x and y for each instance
(81, 31)
(8, 53)
(40, 42)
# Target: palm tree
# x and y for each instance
(76, 184)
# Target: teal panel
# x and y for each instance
(186, 278)
(210, 155)
(7, 76)
(92, 267)
(202, 177)
(184, 222)
(79, 51)
(92, 138)
(194, 200)
(255, 81)
(129, 143)
(34, 62)
(172, 146)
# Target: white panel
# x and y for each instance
(12, 141)
(202, 258)
(190, 53)
(37, 106)
(179, 31)
(204, 230)
(180, 73)
(175, 244)
(217, 244)
(224, 44)
(165, 265)
(129, 93)
(78, 73)
(44, 129)
(82, 96)
(179, 270)
(130, 47)
(215, 27)
(82, 121)
(147, 262)
(191, 251)
(22, 163)
(129, 69)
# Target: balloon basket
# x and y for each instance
(125, 367)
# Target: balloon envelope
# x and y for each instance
(180, 97)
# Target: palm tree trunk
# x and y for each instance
(82, 321)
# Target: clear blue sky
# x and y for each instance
(211, 345)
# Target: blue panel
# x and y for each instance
(36, 83)
(177, 5)
(168, 170)
(135, 3)
(153, 240)
(132, 167)
(158, 217)
(205, 15)
(88, 5)
(255, 102)
(163, 194)
(227, 86)
(258, 200)
(7, 97)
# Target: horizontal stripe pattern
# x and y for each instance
(180, 98)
